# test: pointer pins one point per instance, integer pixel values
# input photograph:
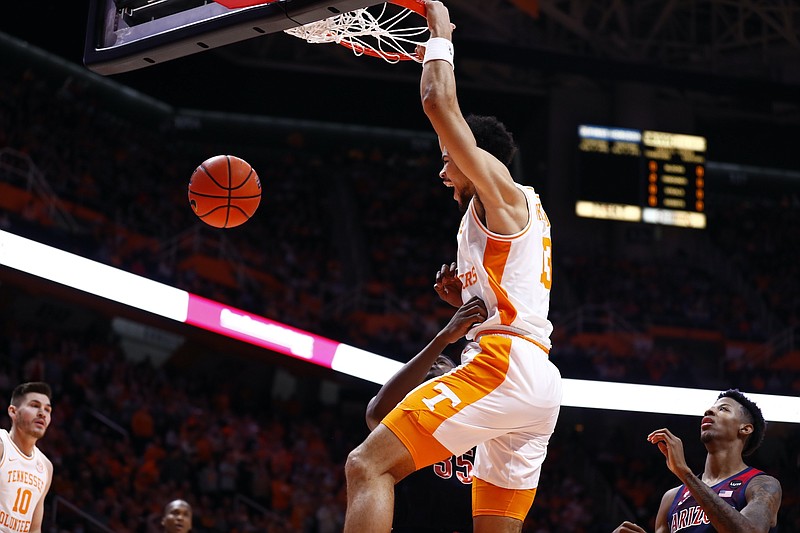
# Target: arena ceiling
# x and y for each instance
(733, 56)
(729, 47)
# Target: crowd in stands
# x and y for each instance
(345, 244)
(338, 230)
(127, 437)
(746, 232)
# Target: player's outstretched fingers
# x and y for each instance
(629, 527)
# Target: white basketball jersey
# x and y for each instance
(23, 481)
(511, 273)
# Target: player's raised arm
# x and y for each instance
(505, 206)
(420, 367)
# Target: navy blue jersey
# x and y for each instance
(436, 499)
(686, 515)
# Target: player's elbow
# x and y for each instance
(372, 422)
(435, 100)
(372, 417)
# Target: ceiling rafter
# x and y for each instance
(503, 42)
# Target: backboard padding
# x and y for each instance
(119, 40)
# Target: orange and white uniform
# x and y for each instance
(23, 481)
(512, 274)
(505, 396)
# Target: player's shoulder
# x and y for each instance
(48, 467)
(764, 481)
(47, 463)
(765, 492)
(670, 494)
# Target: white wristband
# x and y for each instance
(438, 48)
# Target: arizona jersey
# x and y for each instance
(511, 273)
(23, 480)
(686, 515)
(436, 499)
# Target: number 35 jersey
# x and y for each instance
(436, 499)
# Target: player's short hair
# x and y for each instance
(441, 366)
(753, 414)
(26, 388)
(492, 136)
(176, 503)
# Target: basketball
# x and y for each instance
(224, 191)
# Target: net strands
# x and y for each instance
(387, 35)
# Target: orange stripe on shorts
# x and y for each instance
(426, 408)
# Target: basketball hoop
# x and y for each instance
(390, 31)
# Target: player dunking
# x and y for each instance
(505, 397)
(729, 495)
(25, 472)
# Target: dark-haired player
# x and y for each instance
(25, 472)
(434, 499)
(177, 517)
(729, 496)
(504, 398)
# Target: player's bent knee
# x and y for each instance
(491, 500)
(357, 466)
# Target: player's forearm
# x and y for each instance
(723, 516)
(437, 88)
(408, 377)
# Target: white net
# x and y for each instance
(390, 32)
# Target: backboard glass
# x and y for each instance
(125, 35)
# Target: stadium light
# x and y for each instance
(163, 300)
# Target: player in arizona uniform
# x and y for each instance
(729, 496)
(504, 399)
(25, 472)
(415, 511)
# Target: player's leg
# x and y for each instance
(372, 470)
(496, 524)
(401, 444)
(499, 510)
(515, 460)
(508, 466)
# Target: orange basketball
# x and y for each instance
(224, 191)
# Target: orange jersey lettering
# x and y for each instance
(512, 274)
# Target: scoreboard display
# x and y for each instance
(641, 176)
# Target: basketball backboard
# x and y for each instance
(125, 35)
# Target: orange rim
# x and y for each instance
(417, 6)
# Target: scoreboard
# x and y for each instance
(641, 176)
